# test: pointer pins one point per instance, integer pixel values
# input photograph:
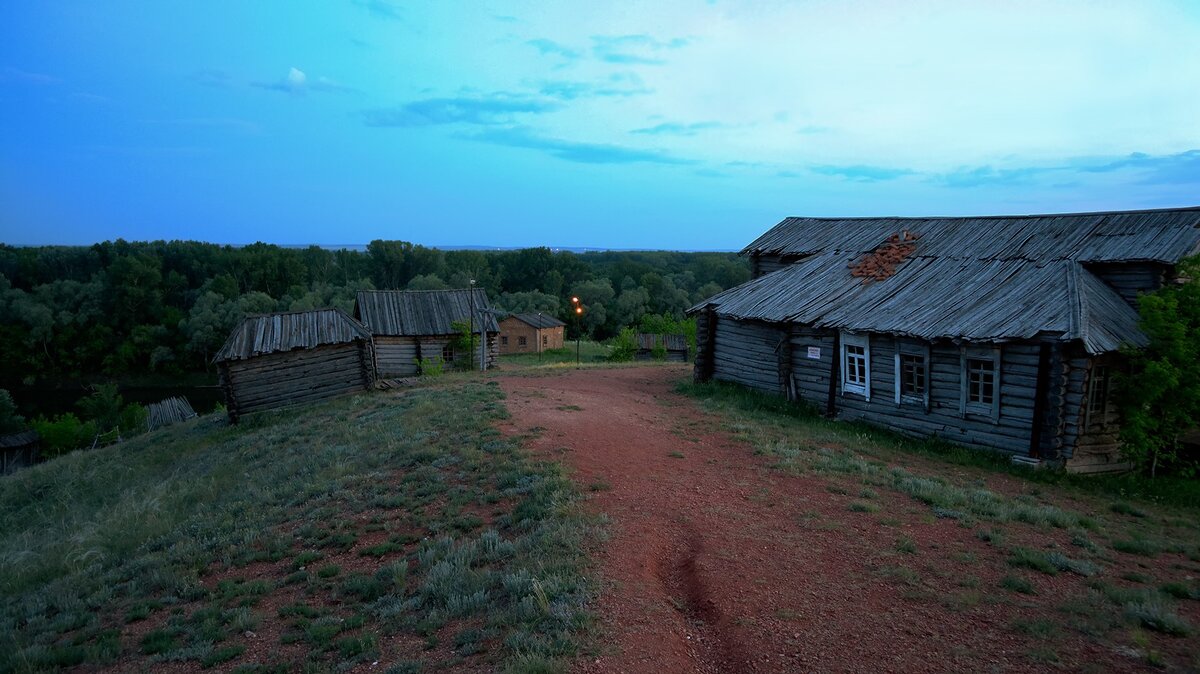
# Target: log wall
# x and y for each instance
(746, 352)
(303, 375)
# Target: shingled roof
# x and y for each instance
(539, 321)
(275, 333)
(411, 313)
(1165, 235)
(987, 279)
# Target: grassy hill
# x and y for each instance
(313, 539)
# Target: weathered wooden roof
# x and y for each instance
(411, 313)
(539, 321)
(1164, 235)
(22, 439)
(935, 298)
(275, 333)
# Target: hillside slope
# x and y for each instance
(397, 528)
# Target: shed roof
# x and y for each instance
(1164, 235)
(411, 313)
(275, 333)
(942, 298)
(22, 439)
(539, 321)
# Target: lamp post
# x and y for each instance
(578, 327)
(538, 337)
(471, 329)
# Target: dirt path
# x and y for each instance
(718, 563)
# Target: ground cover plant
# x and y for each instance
(1080, 563)
(396, 527)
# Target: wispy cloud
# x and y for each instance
(550, 47)
(618, 85)
(1180, 168)
(381, 9)
(11, 74)
(222, 123)
(862, 173)
(633, 49)
(989, 175)
(677, 129)
(297, 83)
(572, 151)
(483, 111)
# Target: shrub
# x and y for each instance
(624, 346)
(1156, 614)
(10, 421)
(66, 433)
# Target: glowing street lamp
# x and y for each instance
(578, 326)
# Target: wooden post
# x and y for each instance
(1039, 400)
(834, 373)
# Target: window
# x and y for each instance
(1097, 398)
(504, 340)
(981, 382)
(980, 377)
(521, 341)
(448, 353)
(545, 340)
(856, 365)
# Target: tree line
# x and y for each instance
(126, 309)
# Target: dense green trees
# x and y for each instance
(119, 308)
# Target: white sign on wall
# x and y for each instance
(814, 352)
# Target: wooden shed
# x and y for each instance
(18, 450)
(674, 346)
(412, 326)
(530, 333)
(273, 360)
(993, 332)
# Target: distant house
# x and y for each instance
(992, 332)
(273, 360)
(674, 347)
(413, 326)
(18, 450)
(530, 333)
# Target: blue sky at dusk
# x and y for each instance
(684, 125)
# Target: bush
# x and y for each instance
(64, 434)
(10, 421)
(624, 346)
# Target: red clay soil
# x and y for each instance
(718, 563)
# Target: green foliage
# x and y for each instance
(10, 421)
(665, 324)
(64, 434)
(431, 367)
(465, 345)
(1160, 396)
(103, 406)
(624, 346)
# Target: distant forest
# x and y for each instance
(127, 309)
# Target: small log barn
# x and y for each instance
(992, 332)
(273, 360)
(412, 326)
(18, 450)
(675, 346)
(530, 333)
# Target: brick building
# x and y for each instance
(530, 333)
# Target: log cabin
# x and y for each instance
(411, 327)
(530, 333)
(1001, 333)
(275, 360)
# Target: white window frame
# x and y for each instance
(909, 349)
(863, 341)
(1098, 418)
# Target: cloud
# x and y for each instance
(676, 129)
(862, 173)
(616, 86)
(550, 47)
(505, 18)
(297, 83)
(988, 175)
(582, 153)
(381, 9)
(224, 123)
(1180, 168)
(488, 111)
(10, 74)
(633, 49)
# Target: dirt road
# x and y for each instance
(718, 563)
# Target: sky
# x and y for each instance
(685, 125)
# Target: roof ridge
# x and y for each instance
(1180, 209)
